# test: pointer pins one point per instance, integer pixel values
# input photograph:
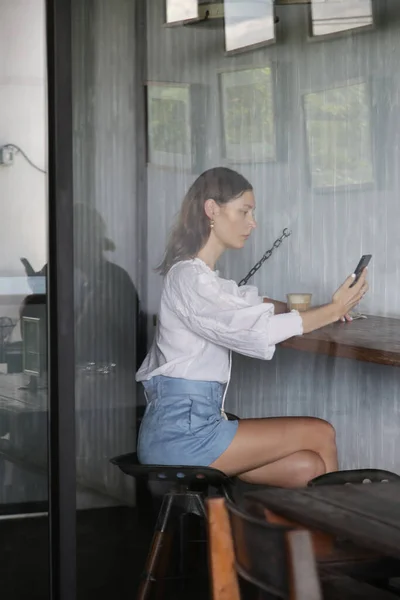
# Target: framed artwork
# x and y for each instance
(248, 115)
(248, 25)
(339, 137)
(179, 12)
(176, 124)
(332, 18)
(385, 135)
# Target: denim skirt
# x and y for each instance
(183, 424)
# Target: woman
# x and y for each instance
(202, 319)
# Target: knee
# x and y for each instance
(323, 431)
(308, 465)
(328, 430)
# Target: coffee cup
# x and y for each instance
(299, 302)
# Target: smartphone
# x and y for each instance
(364, 262)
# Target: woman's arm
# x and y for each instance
(314, 318)
(344, 299)
(227, 320)
(233, 321)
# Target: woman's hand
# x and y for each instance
(347, 318)
(346, 297)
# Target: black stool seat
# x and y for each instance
(354, 476)
(188, 487)
(182, 475)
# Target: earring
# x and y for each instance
(212, 223)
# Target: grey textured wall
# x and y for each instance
(330, 230)
(105, 180)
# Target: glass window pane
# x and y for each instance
(314, 128)
(23, 300)
(107, 275)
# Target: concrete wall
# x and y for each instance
(330, 230)
(105, 181)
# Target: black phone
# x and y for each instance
(364, 262)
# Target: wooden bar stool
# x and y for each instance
(188, 487)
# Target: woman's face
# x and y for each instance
(234, 221)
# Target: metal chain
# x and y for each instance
(285, 234)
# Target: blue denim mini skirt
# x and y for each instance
(183, 424)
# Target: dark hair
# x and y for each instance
(192, 228)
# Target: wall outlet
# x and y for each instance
(6, 156)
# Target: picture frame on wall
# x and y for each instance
(248, 116)
(339, 137)
(178, 13)
(248, 25)
(338, 18)
(176, 123)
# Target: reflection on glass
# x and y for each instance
(23, 225)
(248, 115)
(106, 331)
(334, 16)
(169, 126)
(32, 345)
(106, 263)
(248, 23)
(181, 10)
(106, 300)
(339, 136)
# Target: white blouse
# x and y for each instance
(203, 317)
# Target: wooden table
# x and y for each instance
(375, 339)
(366, 514)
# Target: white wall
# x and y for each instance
(23, 114)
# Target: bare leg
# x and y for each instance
(260, 442)
(296, 470)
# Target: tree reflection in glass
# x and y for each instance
(339, 136)
(249, 115)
